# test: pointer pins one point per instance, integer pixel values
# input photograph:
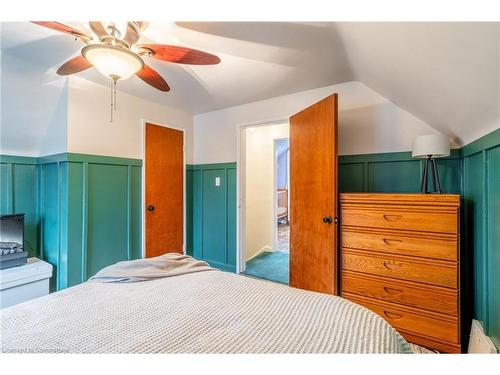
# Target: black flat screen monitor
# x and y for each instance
(12, 228)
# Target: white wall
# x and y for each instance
(43, 114)
(368, 123)
(34, 104)
(91, 132)
(259, 187)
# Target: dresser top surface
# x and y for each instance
(401, 198)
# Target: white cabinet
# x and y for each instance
(22, 283)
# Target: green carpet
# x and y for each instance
(269, 266)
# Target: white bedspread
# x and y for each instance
(202, 312)
(166, 265)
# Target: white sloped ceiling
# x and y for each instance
(446, 74)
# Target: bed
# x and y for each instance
(192, 309)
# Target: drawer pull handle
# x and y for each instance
(392, 291)
(393, 217)
(392, 315)
(390, 266)
(388, 241)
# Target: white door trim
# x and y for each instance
(240, 185)
(143, 123)
(275, 184)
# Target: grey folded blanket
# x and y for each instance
(167, 265)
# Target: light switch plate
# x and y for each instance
(217, 181)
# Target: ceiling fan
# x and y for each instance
(114, 51)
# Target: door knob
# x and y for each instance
(151, 208)
(327, 220)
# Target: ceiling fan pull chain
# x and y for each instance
(115, 92)
(111, 108)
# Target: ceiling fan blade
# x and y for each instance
(75, 65)
(63, 29)
(99, 30)
(180, 55)
(151, 77)
(132, 34)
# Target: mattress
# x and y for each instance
(203, 312)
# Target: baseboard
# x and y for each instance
(479, 342)
(265, 248)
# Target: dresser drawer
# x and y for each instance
(404, 218)
(428, 324)
(432, 272)
(395, 242)
(426, 297)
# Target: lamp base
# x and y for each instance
(430, 164)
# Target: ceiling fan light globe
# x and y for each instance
(113, 61)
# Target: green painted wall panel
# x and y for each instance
(394, 177)
(49, 217)
(18, 194)
(83, 206)
(212, 215)
(189, 210)
(24, 189)
(62, 263)
(493, 240)
(351, 177)
(107, 216)
(5, 188)
(231, 217)
(74, 245)
(450, 175)
(197, 240)
(136, 212)
(214, 222)
(395, 172)
(474, 210)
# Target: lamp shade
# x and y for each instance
(113, 61)
(435, 145)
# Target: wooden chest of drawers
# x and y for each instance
(400, 259)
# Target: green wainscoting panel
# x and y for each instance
(231, 216)
(394, 176)
(211, 216)
(395, 172)
(135, 211)
(82, 212)
(18, 194)
(481, 160)
(107, 216)
(493, 241)
(50, 192)
(214, 216)
(474, 208)
(189, 210)
(74, 232)
(351, 177)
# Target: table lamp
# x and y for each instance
(430, 147)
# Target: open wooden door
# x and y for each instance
(313, 197)
(164, 190)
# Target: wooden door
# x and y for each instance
(313, 197)
(164, 190)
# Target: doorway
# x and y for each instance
(313, 208)
(164, 193)
(282, 191)
(266, 202)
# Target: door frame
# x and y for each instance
(240, 184)
(275, 184)
(143, 123)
